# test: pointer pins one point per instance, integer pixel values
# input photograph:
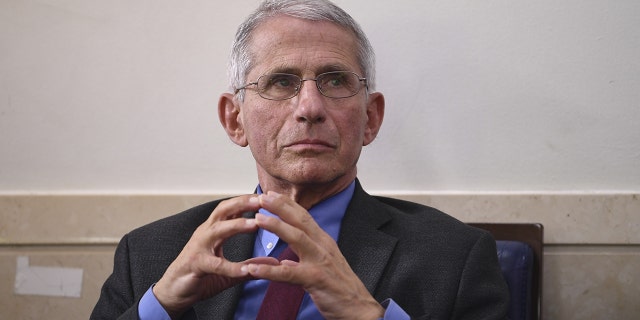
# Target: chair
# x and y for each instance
(519, 248)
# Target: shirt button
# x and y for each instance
(269, 245)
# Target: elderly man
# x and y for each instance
(304, 103)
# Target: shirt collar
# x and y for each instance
(328, 215)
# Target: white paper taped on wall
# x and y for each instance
(47, 281)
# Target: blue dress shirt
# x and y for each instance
(328, 214)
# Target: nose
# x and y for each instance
(311, 104)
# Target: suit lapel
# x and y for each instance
(366, 248)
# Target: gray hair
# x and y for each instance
(241, 60)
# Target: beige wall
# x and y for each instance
(592, 244)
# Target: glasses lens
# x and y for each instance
(339, 84)
(278, 86)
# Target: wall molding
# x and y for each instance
(75, 219)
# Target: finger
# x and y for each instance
(262, 260)
(297, 239)
(298, 229)
(206, 246)
(269, 261)
(213, 235)
(285, 271)
(234, 208)
(204, 253)
(218, 265)
(289, 211)
(238, 270)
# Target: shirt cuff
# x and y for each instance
(394, 311)
(150, 308)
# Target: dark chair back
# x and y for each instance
(520, 253)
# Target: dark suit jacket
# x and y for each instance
(433, 266)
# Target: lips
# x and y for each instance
(310, 144)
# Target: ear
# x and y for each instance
(375, 114)
(229, 115)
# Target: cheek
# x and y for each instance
(352, 126)
(261, 126)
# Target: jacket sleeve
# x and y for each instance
(483, 292)
(117, 300)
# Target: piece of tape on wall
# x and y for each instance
(47, 281)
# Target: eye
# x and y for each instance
(334, 80)
(281, 81)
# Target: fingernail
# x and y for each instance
(264, 197)
(251, 222)
(254, 200)
(273, 194)
(249, 268)
(260, 217)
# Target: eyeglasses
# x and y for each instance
(283, 86)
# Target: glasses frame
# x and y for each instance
(302, 80)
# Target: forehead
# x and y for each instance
(287, 44)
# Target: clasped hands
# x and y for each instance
(201, 271)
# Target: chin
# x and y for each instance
(310, 179)
(324, 177)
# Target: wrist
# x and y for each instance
(373, 311)
(168, 303)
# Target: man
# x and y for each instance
(304, 103)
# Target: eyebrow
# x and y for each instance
(285, 69)
(333, 67)
(321, 69)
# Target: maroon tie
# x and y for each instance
(282, 300)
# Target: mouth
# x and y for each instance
(315, 145)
